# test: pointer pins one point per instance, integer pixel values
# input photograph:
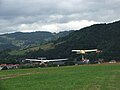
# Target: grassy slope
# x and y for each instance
(35, 48)
(91, 77)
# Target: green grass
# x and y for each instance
(85, 77)
(34, 48)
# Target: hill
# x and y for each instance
(20, 40)
(104, 37)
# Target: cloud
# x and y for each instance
(55, 14)
(55, 27)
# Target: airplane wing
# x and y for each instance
(33, 60)
(93, 50)
(46, 60)
(79, 51)
(55, 60)
(84, 51)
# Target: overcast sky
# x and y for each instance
(55, 15)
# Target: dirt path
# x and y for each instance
(16, 75)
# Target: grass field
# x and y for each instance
(84, 77)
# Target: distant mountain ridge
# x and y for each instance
(23, 40)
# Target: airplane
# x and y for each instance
(43, 61)
(85, 51)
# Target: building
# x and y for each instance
(8, 66)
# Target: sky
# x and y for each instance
(55, 15)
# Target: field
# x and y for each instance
(84, 77)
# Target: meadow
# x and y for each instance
(82, 77)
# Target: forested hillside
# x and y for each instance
(20, 40)
(105, 37)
